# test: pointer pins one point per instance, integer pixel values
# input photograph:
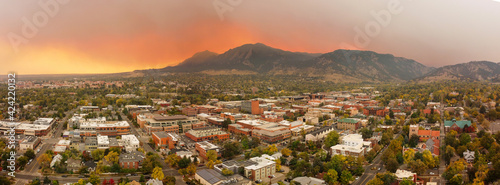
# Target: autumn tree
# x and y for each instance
(330, 177)
(332, 139)
(157, 173)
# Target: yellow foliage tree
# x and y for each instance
(408, 156)
(286, 152)
(210, 164)
(112, 157)
(157, 174)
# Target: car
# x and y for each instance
(134, 174)
(128, 175)
(64, 176)
(432, 173)
(379, 169)
(81, 176)
(258, 181)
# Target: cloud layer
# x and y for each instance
(124, 35)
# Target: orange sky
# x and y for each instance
(118, 36)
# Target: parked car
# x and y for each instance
(64, 176)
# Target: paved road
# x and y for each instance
(369, 173)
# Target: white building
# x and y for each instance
(261, 170)
(102, 142)
(469, 156)
(352, 145)
(130, 142)
(403, 174)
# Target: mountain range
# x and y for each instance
(339, 65)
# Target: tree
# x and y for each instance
(366, 133)
(46, 180)
(142, 179)
(212, 155)
(418, 166)
(286, 152)
(30, 154)
(112, 157)
(375, 181)
(407, 182)
(330, 177)
(184, 162)
(346, 177)
(271, 149)
(456, 180)
(454, 168)
(157, 173)
(97, 155)
(210, 164)
(428, 159)
(408, 156)
(227, 172)
(226, 123)
(448, 154)
(231, 149)
(94, 179)
(332, 139)
(172, 160)
(464, 139)
(413, 140)
(392, 165)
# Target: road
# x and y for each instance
(369, 173)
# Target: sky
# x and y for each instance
(94, 36)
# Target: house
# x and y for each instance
(469, 156)
(154, 182)
(91, 166)
(73, 165)
(456, 125)
(309, 181)
(432, 145)
(424, 134)
(319, 134)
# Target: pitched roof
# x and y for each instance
(348, 120)
(460, 123)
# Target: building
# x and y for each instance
(251, 107)
(130, 142)
(166, 140)
(275, 136)
(102, 142)
(456, 125)
(29, 142)
(352, 145)
(208, 133)
(262, 169)
(238, 129)
(111, 128)
(469, 156)
(424, 134)
(309, 181)
(319, 134)
(73, 165)
(352, 124)
(405, 175)
(90, 143)
(204, 147)
(32, 129)
(150, 123)
(131, 160)
(44, 121)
